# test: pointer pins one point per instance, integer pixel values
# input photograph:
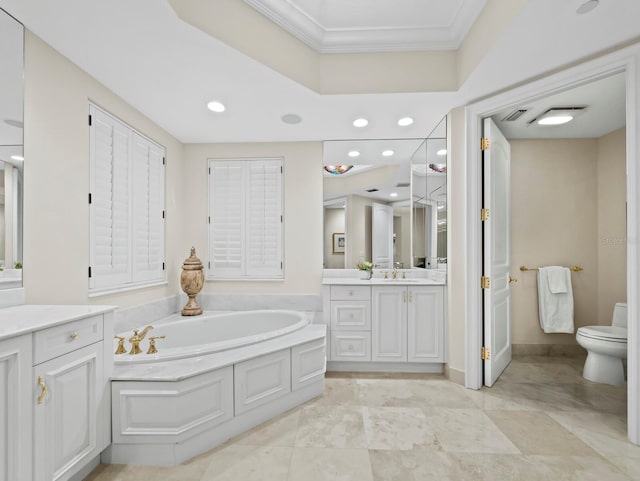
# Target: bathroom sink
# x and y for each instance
(403, 281)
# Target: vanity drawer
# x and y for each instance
(351, 315)
(58, 340)
(350, 293)
(351, 346)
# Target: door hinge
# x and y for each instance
(484, 143)
(484, 215)
(485, 282)
(485, 354)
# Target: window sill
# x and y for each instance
(128, 288)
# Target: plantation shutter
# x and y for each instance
(148, 210)
(264, 211)
(226, 220)
(110, 207)
(245, 232)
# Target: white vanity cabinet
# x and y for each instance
(15, 409)
(389, 324)
(54, 396)
(350, 323)
(425, 324)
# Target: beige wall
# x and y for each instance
(359, 230)
(612, 253)
(334, 222)
(56, 212)
(303, 214)
(553, 222)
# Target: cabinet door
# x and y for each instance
(425, 324)
(15, 409)
(66, 423)
(389, 324)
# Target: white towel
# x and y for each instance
(557, 277)
(555, 309)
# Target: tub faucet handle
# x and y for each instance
(120, 349)
(152, 344)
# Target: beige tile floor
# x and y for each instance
(541, 421)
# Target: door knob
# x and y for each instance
(512, 279)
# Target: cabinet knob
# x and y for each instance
(351, 315)
(74, 336)
(43, 393)
(350, 293)
(350, 348)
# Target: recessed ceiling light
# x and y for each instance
(388, 153)
(393, 194)
(441, 206)
(442, 222)
(441, 152)
(291, 119)
(353, 153)
(555, 120)
(361, 122)
(17, 157)
(587, 6)
(216, 106)
(405, 121)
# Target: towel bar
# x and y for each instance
(574, 268)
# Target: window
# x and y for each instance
(126, 204)
(245, 219)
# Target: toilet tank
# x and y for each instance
(620, 315)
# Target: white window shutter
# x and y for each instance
(226, 218)
(148, 210)
(245, 207)
(264, 218)
(110, 201)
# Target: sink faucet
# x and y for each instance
(394, 275)
(137, 338)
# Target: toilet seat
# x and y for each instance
(604, 333)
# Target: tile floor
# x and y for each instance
(541, 421)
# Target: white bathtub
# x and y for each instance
(212, 332)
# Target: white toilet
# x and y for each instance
(606, 347)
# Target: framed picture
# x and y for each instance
(339, 240)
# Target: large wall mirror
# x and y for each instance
(11, 149)
(429, 200)
(385, 202)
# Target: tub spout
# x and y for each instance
(137, 338)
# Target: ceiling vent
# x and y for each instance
(403, 184)
(515, 115)
(372, 190)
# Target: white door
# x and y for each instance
(497, 253)
(389, 324)
(382, 235)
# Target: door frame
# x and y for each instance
(624, 60)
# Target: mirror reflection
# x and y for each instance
(11, 150)
(370, 203)
(429, 200)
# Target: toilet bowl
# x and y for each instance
(606, 348)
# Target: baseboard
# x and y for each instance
(454, 375)
(559, 350)
(398, 367)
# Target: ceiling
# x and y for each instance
(168, 69)
(339, 26)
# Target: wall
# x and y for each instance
(612, 217)
(334, 221)
(303, 212)
(553, 222)
(56, 175)
(359, 230)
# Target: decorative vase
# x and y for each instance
(366, 275)
(191, 281)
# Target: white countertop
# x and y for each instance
(177, 369)
(351, 281)
(18, 320)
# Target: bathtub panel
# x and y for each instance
(262, 379)
(171, 411)
(308, 364)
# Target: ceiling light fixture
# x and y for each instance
(441, 152)
(360, 122)
(338, 169)
(405, 121)
(216, 106)
(17, 157)
(393, 194)
(587, 6)
(388, 153)
(353, 153)
(558, 115)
